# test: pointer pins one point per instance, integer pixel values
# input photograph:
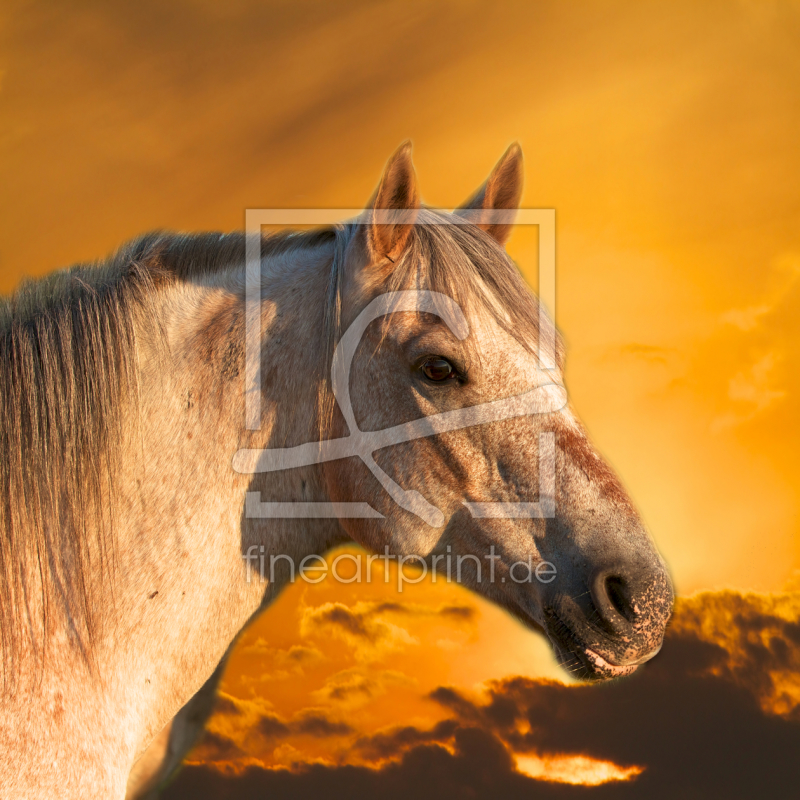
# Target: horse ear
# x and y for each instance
(394, 207)
(502, 192)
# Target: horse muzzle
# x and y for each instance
(612, 627)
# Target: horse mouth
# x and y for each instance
(585, 664)
(604, 668)
(577, 658)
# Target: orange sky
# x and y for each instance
(664, 135)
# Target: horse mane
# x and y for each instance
(68, 352)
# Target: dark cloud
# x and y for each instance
(695, 733)
(217, 747)
(351, 688)
(271, 726)
(479, 766)
(760, 635)
(458, 612)
(412, 609)
(227, 705)
(297, 654)
(315, 722)
(238, 725)
(340, 616)
(390, 744)
(713, 716)
(364, 621)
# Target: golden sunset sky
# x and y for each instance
(667, 138)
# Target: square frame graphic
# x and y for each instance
(544, 218)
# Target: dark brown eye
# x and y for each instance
(437, 369)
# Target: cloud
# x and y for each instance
(340, 617)
(217, 747)
(782, 278)
(760, 636)
(396, 741)
(478, 766)
(715, 715)
(243, 732)
(372, 628)
(299, 655)
(354, 686)
(753, 343)
(275, 664)
(260, 647)
(745, 319)
(751, 392)
(349, 685)
(316, 722)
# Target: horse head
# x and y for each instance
(474, 460)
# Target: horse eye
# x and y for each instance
(437, 369)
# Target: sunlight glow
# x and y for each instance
(581, 770)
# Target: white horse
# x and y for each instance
(126, 528)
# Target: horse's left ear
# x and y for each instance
(394, 207)
(501, 192)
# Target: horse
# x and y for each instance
(130, 469)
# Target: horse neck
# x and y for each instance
(180, 583)
(176, 593)
(192, 422)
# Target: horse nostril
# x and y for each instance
(627, 610)
(617, 596)
(612, 599)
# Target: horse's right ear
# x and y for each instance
(394, 208)
(502, 193)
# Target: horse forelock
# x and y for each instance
(461, 261)
(443, 254)
(465, 263)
